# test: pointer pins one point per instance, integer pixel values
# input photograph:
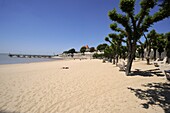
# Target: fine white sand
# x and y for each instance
(87, 86)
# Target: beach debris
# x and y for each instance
(104, 60)
(65, 67)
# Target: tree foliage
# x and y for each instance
(151, 42)
(101, 47)
(109, 52)
(65, 52)
(83, 49)
(116, 44)
(72, 51)
(92, 49)
(98, 56)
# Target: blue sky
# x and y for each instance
(53, 26)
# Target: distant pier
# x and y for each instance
(30, 56)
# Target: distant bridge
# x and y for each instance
(30, 56)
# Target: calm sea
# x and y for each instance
(5, 59)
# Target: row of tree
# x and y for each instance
(83, 49)
(133, 27)
(155, 41)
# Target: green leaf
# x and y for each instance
(127, 5)
(113, 26)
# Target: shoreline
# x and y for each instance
(28, 60)
(16, 60)
(33, 62)
(54, 60)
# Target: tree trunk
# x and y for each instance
(148, 61)
(113, 60)
(160, 55)
(142, 56)
(124, 58)
(154, 53)
(131, 55)
(120, 55)
(168, 50)
(110, 60)
(139, 55)
(168, 55)
(117, 59)
(168, 60)
(148, 56)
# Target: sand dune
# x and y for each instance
(87, 86)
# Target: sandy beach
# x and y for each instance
(87, 86)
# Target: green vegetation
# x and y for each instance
(83, 49)
(161, 44)
(101, 47)
(92, 49)
(135, 25)
(151, 42)
(116, 44)
(70, 51)
(98, 56)
(109, 53)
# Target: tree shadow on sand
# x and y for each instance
(146, 73)
(156, 94)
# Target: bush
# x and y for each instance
(92, 49)
(98, 56)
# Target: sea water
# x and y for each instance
(5, 59)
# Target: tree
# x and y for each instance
(154, 43)
(65, 52)
(140, 50)
(92, 49)
(161, 44)
(98, 56)
(83, 49)
(168, 46)
(101, 47)
(109, 53)
(151, 42)
(124, 51)
(116, 44)
(72, 51)
(113, 47)
(135, 25)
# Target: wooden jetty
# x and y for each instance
(30, 56)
